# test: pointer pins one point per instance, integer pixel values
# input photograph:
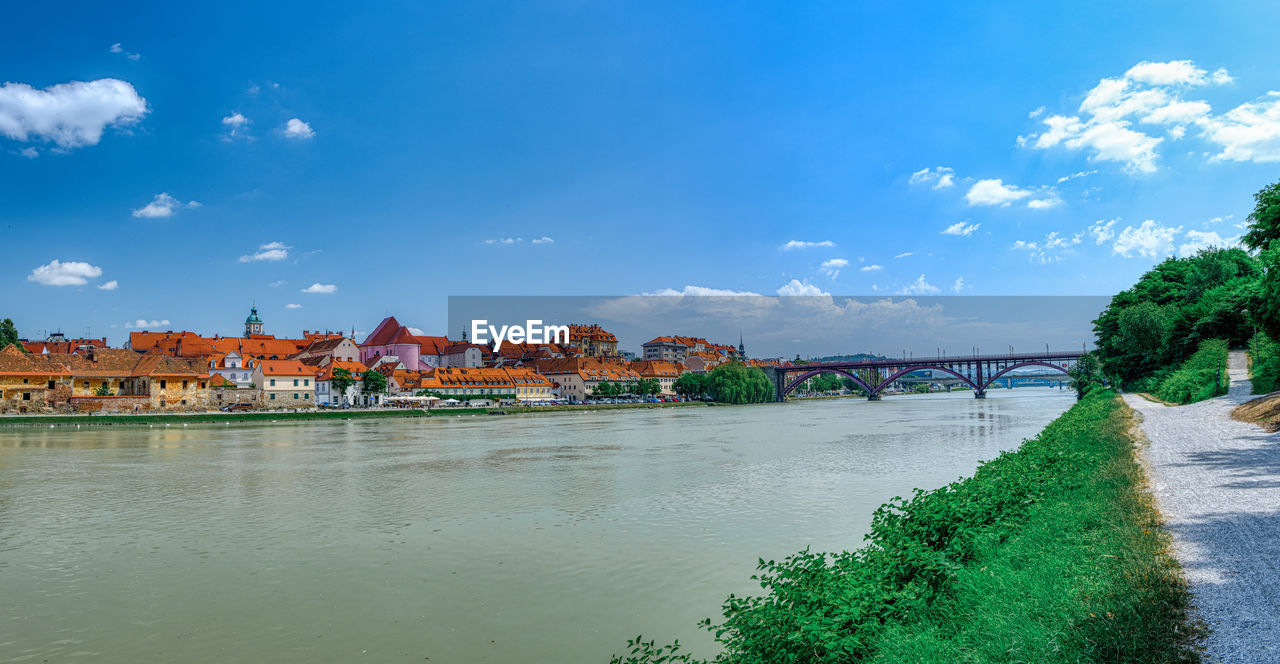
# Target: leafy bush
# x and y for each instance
(1265, 353)
(1201, 377)
(1051, 553)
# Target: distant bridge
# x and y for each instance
(978, 372)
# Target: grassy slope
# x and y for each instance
(1050, 553)
(1087, 577)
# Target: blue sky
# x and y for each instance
(397, 155)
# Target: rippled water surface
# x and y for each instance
(547, 538)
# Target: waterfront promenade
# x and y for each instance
(1217, 483)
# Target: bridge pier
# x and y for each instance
(980, 394)
(873, 397)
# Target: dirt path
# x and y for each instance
(1217, 483)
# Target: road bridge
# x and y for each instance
(978, 372)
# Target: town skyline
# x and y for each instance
(326, 176)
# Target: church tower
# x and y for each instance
(742, 351)
(253, 324)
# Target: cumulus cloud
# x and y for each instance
(871, 268)
(805, 244)
(69, 115)
(904, 254)
(994, 192)
(1197, 240)
(234, 126)
(959, 285)
(293, 306)
(162, 206)
(832, 267)
(505, 240)
(1248, 132)
(701, 291)
(1044, 203)
(1102, 230)
(110, 285)
(69, 273)
(795, 287)
(298, 129)
(1050, 248)
(324, 289)
(941, 177)
(271, 251)
(543, 240)
(1151, 240)
(960, 229)
(919, 287)
(143, 323)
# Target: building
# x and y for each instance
(577, 377)
(31, 383)
(593, 340)
(666, 373)
(529, 385)
(326, 395)
(284, 383)
(665, 349)
(340, 349)
(703, 361)
(415, 352)
(462, 355)
(165, 382)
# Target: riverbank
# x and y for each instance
(1216, 480)
(1050, 553)
(292, 416)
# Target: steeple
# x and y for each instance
(742, 351)
(253, 324)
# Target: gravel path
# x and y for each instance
(1217, 483)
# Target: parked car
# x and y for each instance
(234, 407)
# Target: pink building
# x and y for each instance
(416, 353)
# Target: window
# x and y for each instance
(273, 396)
(163, 383)
(273, 384)
(202, 383)
(295, 382)
(51, 384)
(26, 396)
(306, 382)
(162, 403)
(305, 396)
(184, 384)
(86, 384)
(104, 383)
(184, 402)
(25, 381)
(295, 395)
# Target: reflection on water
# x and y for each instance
(468, 539)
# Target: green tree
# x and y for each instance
(342, 379)
(1085, 375)
(9, 335)
(1264, 221)
(735, 382)
(606, 389)
(691, 384)
(102, 391)
(375, 382)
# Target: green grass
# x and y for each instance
(1264, 356)
(1051, 553)
(1202, 376)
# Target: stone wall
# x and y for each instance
(110, 404)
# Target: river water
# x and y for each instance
(543, 538)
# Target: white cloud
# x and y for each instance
(871, 268)
(505, 240)
(69, 115)
(832, 267)
(110, 285)
(29, 152)
(70, 273)
(162, 206)
(1036, 113)
(271, 251)
(293, 306)
(543, 240)
(143, 323)
(296, 128)
(1102, 230)
(1076, 175)
(941, 177)
(1049, 249)
(276, 284)
(235, 125)
(795, 287)
(702, 291)
(416, 332)
(904, 254)
(959, 285)
(118, 49)
(1217, 220)
(1197, 240)
(994, 192)
(1174, 72)
(804, 244)
(919, 287)
(960, 229)
(1044, 203)
(1248, 132)
(324, 289)
(1152, 240)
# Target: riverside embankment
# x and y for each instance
(1217, 483)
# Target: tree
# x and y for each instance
(735, 382)
(341, 381)
(691, 384)
(1264, 309)
(102, 391)
(375, 382)
(605, 389)
(1264, 221)
(9, 335)
(1085, 375)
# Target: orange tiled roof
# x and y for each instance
(14, 362)
(285, 368)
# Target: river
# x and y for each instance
(540, 538)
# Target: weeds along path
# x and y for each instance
(1217, 483)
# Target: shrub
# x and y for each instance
(1265, 353)
(1202, 376)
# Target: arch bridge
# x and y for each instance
(978, 372)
